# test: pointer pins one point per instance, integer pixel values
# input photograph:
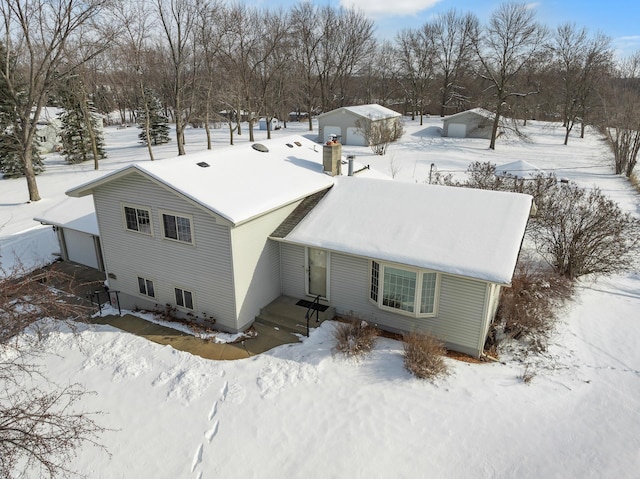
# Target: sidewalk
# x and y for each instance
(185, 342)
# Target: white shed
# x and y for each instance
(342, 122)
(262, 124)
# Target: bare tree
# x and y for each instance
(37, 33)
(453, 38)
(510, 40)
(580, 62)
(177, 18)
(621, 115)
(416, 59)
(380, 133)
(41, 423)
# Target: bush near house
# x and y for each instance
(527, 310)
(355, 337)
(424, 356)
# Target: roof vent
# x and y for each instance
(203, 164)
(298, 143)
(289, 145)
(260, 147)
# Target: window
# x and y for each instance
(137, 219)
(177, 228)
(184, 298)
(411, 291)
(375, 277)
(145, 286)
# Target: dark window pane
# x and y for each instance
(179, 298)
(142, 286)
(188, 300)
(170, 226)
(130, 217)
(150, 291)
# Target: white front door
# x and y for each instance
(317, 266)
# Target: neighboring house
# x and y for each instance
(48, 135)
(74, 221)
(341, 122)
(475, 123)
(224, 235)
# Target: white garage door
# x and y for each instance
(355, 138)
(457, 130)
(332, 130)
(81, 248)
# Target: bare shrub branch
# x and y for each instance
(424, 356)
(354, 338)
(41, 423)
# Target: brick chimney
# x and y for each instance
(331, 157)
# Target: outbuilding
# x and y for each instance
(342, 122)
(475, 123)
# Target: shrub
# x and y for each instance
(580, 232)
(527, 310)
(354, 338)
(424, 356)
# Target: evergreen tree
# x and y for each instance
(158, 123)
(76, 134)
(10, 159)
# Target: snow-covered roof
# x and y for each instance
(372, 111)
(462, 231)
(238, 183)
(478, 111)
(519, 169)
(72, 213)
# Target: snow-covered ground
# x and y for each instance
(299, 411)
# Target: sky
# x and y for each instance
(619, 19)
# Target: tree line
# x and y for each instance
(201, 62)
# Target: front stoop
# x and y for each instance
(285, 319)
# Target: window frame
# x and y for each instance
(177, 215)
(184, 306)
(146, 280)
(137, 208)
(378, 283)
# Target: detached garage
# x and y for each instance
(341, 122)
(475, 123)
(74, 221)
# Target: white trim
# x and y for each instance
(187, 216)
(124, 205)
(153, 282)
(418, 291)
(193, 299)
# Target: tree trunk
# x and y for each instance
(494, 128)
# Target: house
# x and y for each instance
(224, 235)
(75, 224)
(342, 122)
(474, 123)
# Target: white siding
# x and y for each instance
(461, 311)
(204, 268)
(256, 264)
(292, 270)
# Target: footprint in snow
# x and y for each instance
(214, 408)
(211, 432)
(197, 458)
